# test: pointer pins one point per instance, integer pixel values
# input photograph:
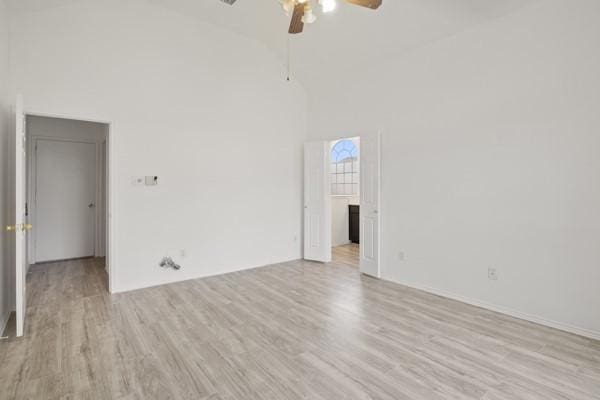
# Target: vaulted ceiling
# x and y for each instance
(349, 38)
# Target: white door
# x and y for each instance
(65, 193)
(21, 227)
(370, 170)
(317, 202)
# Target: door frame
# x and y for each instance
(361, 133)
(32, 190)
(111, 185)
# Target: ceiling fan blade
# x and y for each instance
(373, 4)
(296, 26)
(230, 2)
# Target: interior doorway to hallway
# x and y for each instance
(66, 190)
(61, 203)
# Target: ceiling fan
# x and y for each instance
(302, 13)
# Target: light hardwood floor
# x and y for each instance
(347, 254)
(297, 330)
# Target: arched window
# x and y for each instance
(344, 168)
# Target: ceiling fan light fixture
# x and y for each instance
(288, 6)
(301, 11)
(327, 5)
(309, 17)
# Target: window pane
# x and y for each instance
(343, 149)
(344, 168)
(348, 167)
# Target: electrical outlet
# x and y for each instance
(492, 274)
(401, 256)
(183, 253)
(137, 181)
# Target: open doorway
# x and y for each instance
(340, 175)
(344, 162)
(67, 193)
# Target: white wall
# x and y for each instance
(206, 110)
(66, 129)
(490, 159)
(6, 303)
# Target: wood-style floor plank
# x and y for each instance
(297, 330)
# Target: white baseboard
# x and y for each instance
(591, 334)
(145, 285)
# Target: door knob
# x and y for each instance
(17, 227)
(91, 205)
(375, 212)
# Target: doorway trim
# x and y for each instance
(362, 134)
(110, 168)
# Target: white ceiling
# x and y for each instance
(350, 37)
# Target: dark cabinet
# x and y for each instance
(354, 223)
